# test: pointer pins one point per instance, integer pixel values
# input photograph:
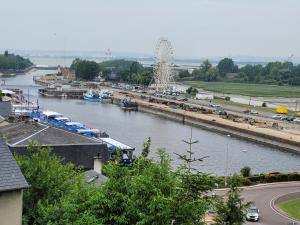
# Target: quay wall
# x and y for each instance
(247, 132)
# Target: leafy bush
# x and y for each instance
(246, 171)
(294, 176)
(258, 178)
(246, 181)
(192, 91)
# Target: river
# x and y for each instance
(133, 128)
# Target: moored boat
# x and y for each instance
(127, 104)
(91, 96)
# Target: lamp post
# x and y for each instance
(226, 168)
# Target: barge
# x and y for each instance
(55, 119)
(62, 93)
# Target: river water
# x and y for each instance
(133, 128)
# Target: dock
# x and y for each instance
(262, 135)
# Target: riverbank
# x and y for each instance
(266, 136)
(11, 73)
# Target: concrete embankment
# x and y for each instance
(266, 136)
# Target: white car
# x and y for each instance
(277, 117)
(297, 120)
(252, 214)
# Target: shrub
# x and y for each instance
(245, 171)
(294, 176)
(192, 91)
(264, 104)
(246, 181)
(271, 178)
(227, 98)
(258, 178)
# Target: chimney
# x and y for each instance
(98, 163)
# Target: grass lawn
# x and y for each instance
(257, 90)
(244, 106)
(291, 207)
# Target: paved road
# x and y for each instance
(262, 197)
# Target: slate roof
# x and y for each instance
(11, 177)
(91, 176)
(5, 109)
(22, 133)
(72, 147)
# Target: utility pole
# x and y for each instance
(226, 168)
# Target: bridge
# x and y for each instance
(45, 67)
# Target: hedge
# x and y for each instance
(263, 178)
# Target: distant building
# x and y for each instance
(204, 96)
(232, 75)
(67, 73)
(12, 183)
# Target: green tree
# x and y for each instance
(146, 76)
(183, 74)
(148, 192)
(146, 148)
(1, 96)
(231, 210)
(192, 189)
(49, 180)
(86, 70)
(74, 63)
(226, 65)
(205, 66)
(192, 91)
(13, 62)
(246, 171)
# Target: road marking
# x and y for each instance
(272, 206)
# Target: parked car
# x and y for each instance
(252, 214)
(277, 117)
(214, 106)
(290, 118)
(297, 120)
(182, 99)
(283, 117)
(253, 112)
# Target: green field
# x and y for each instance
(256, 90)
(291, 207)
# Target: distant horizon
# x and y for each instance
(136, 55)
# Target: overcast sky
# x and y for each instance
(196, 28)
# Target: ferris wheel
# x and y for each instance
(163, 65)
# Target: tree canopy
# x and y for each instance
(85, 69)
(128, 71)
(226, 65)
(13, 62)
(147, 192)
(280, 73)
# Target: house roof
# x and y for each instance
(23, 133)
(11, 177)
(5, 109)
(91, 176)
(72, 147)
